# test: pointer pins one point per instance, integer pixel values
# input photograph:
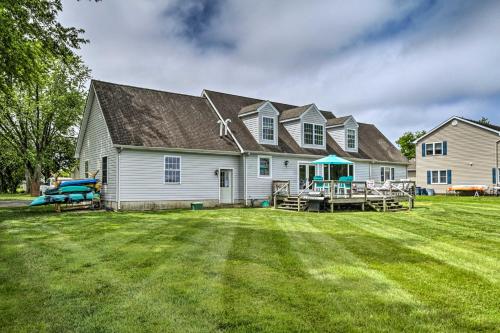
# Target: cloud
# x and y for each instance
(401, 65)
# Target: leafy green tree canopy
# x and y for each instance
(29, 33)
(406, 143)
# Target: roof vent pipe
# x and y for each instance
(226, 127)
(223, 124)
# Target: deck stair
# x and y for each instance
(292, 203)
(391, 204)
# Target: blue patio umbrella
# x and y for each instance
(332, 159)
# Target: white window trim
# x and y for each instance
(439, 177)
(180, 170)
(86, 165)
(264, 140)
(355, 139)
(270, 166)
(388, 167)
(434, 148)
(107, 170)
(315, 145)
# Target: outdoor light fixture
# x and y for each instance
(216, 172)
(286, 163)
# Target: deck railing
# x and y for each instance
(280, 188)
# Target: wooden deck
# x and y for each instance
(318, 197)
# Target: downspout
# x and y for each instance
(245, 178)
(496, 171)
(118, 179)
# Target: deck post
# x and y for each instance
(298, 203)
(384, 205)
(363, 207)
(275, 200)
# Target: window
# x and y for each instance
(308, 134)
(334, 172)
(386, 173)
(104, 170)
(318, 135)
(172, 170)
(267, 128)
(313, 134)
(351, 138)
(264, 166)
(435, 148)
(86, 169)
(439, 177)
(429, 149)
(438, 148)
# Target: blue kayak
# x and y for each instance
(76, 182)
(39, 201)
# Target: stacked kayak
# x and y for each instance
(71, 191)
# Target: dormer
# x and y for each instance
(261, 119)
(306, 125)
(344, 130)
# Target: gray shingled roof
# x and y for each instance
(251, 108)
(152, 118)
(294, 112)
(372, 143)
(337, 121)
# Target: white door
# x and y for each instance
(226, 186)
(306, 173)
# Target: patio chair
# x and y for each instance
(320, 184)
(344, 184)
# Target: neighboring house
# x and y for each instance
(457, 152)
(412, 170)
(155, 149)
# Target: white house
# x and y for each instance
(156, 149)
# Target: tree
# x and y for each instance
(406, 143)
(33, 121)
(29, 33)
(484, 121)
(11, 168)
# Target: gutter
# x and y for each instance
(179, 150)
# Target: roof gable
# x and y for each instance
(158, 119)
(492, 128)
(340, 121)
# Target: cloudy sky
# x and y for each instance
(402, 65)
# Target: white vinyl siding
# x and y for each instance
(341, 135)
(255, 124)
(96, 144)
(295, 130)
(314, 117)
(142, 176)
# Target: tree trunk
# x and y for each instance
(35, 176)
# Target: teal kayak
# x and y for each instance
(39, 201)
(77, 197)
(74, 189)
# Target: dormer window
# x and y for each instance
(267, 129)
(313, 134)
(351, 138)
(318, 135)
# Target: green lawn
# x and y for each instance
(436, 268)
(15, 196)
